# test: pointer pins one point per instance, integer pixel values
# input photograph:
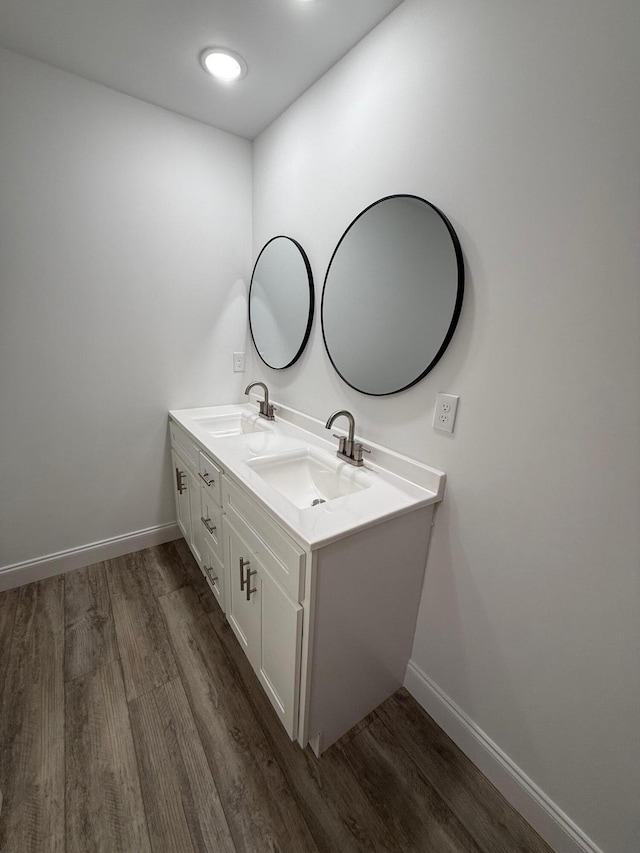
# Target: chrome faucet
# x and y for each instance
(266, 409)
(348, 449)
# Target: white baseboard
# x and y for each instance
(557, 829)
(86, 555)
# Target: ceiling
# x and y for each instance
(150, 48)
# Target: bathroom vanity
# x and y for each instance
(317, 564)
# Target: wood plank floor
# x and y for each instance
(131, 721)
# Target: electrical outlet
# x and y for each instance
(238, 362)
(444, 415)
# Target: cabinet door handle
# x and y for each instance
(243, 563)
(179, 484)
(203, 477)
(248, 584)
(209, 570)
(211, 528)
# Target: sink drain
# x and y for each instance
(318, 501)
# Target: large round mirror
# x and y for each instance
(281, 302)
(392, 295)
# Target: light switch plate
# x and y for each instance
(444, 416)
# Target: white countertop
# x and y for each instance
(394, 483)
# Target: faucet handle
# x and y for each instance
(342, 439)
(358, 450)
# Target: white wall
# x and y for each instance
(125, 248)
(521, 122)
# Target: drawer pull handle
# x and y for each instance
(209, 570)
(243, 563)
(203, 477)
(210, 527)
(179, 484)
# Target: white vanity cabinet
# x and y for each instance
(322, 598)
(327, 631)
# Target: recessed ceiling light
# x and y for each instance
(223, 64)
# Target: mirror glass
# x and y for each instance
(392, 295)
(281, 302)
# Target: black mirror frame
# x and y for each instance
(457, 307)
(311, 302)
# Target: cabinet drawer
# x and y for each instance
(211, 522)
(279, 554)
(185, 446)
(214, 574)
(210, 477)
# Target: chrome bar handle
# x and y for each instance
(243, 563)
(179, 484)
(212, 529)
(203, 477)
(209, 571)
(248, 583)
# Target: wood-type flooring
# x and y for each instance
(131, 721)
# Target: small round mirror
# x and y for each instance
(281, 302)
(392, 295)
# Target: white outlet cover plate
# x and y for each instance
(444, 415)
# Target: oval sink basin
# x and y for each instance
(309, 477)
(231, 423)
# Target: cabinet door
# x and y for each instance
(181, 491)
(267, 624)
(243, 594)
(195, 514)
(280, 650)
